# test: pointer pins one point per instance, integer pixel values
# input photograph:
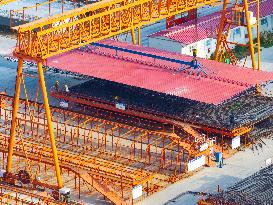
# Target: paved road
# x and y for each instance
(239, 166)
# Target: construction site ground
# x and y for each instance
(266, 59)
(241, 165)
(237, 167)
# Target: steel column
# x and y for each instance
(14, 113)
(133, 36)
(139, 36)
(221, 29)
(258, 35)
(49, 123)
(251, 45)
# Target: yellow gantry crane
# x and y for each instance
(239, 16)
(2, 2)
(60, 33)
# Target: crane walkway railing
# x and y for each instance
(181, 62)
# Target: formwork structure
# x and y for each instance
(113, 160)
(48, 37)
(224, 117)
(115, 156)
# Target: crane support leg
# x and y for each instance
(14, 113)
(49, 122)
(139, 36)
(133, 36)
(249, 31)
(221, 29)
(258, 35)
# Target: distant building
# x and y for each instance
(201, 33)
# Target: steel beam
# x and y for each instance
(14, 113)
(49, 124)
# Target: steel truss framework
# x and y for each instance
(60, 33)
(234, 18)
(2, 2)
(13, 195)
(106, 155)
(110, 157)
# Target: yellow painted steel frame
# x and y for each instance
(251, 44)
(2, 2)
(23, 10)
(12, 195)
(258, 34)
(61, 33)
(96, 148)
(43, 38)
(14, 125)
(219, 46)
(241, 131)
(204, 202)
(221, 30)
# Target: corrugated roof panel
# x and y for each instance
(223, 81)
(205, 27)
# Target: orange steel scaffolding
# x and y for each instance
(97, 151)
(116, 152)
(60, 33)
(12, 195)
(2, 2)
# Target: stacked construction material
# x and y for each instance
(247, 108)
(221, 83)
(256, 189)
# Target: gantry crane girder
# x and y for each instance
(2, 2)
(60, 33)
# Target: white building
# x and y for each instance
(201, 34)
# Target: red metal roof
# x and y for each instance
(205, 27)
(223, 81)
